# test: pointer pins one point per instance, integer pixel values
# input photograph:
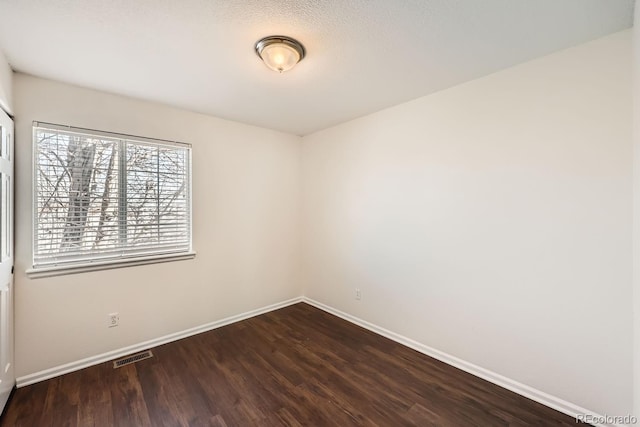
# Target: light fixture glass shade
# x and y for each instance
(280, 57)
(280, 53)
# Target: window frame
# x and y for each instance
(94, 263)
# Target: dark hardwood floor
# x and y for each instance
(295, 366)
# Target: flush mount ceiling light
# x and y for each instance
(280, 53)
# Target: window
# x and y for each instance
(104, 198)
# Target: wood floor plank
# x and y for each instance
(297, 366)
(94, 398)
(128, 404)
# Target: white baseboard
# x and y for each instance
(110, 355)
(495, 378)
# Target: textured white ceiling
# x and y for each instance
(362, 55)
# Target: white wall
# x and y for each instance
(6, 85)
(246, 211)
(636, 209)
(491, 221)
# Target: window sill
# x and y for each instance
(36, 273)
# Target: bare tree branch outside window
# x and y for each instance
(89, 189)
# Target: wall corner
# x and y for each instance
(6, 85)
(636, 210)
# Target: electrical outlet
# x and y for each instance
(113, 319)
(358, 293)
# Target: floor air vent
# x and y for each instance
(132, 359)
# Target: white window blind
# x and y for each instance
(101, 197)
